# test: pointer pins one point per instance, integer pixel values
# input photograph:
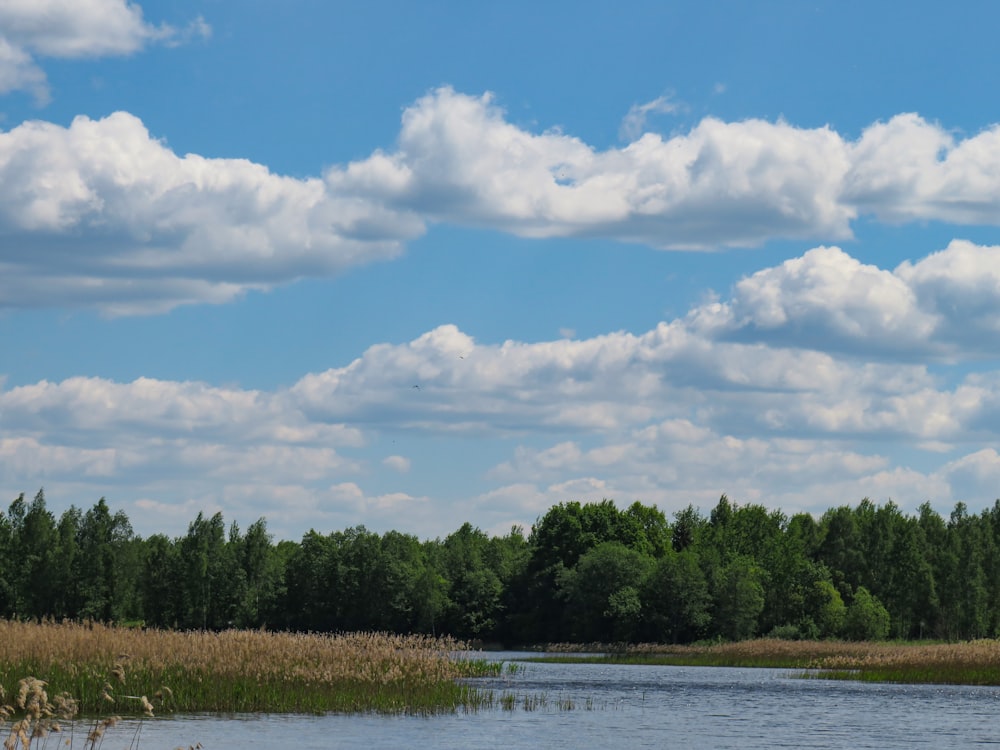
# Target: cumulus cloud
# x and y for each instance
(909, 169)
(960, 286)
(767, 395)
(102, 214)
(459, 160)
(944, 306)
(825, 299)
(74, 29)
(820, 345)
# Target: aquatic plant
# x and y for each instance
(244, 671)
(966, 663)
(34, 716)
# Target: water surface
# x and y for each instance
(621, 707)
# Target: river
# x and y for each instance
(620, 707)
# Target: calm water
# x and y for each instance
(634, 707)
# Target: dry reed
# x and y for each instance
(240, 670)
(967, 663)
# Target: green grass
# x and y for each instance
(967, 663)
(110, 669)
(194, 691)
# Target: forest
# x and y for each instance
(585, 573)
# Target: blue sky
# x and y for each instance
(409, 265)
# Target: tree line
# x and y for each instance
(584, 573)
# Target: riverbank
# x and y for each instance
(966, 663)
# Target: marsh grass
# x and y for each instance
(34, 718)
(241, 671)
(966, 663)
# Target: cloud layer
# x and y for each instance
(102, 214)
(798, 390)
(813, 382)
(73, 29)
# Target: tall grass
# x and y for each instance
(35, 718)
(966, 663)
(239, 670)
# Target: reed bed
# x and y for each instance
(240, 670)
(966, 663)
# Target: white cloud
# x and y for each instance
(960, 286)
(673, 468)
(101, 214)
(162, 410)
(27, 457)
(737, 397)
(909, 169)
(943, 306)
(399, 464)
(18, 71)
(459, 160)
(828, 299)
(722, 184)
(634, 123)
(821, 345)
(74, 29)
(974, 478)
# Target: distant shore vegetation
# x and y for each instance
(963, 663)
(583, 573)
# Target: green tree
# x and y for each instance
(739, 599)
(212, 583)
(687, 529)
(804, 534)
(403, 566)
(827, 609)
(162, 582)
(65, 564)
(559, 539)
(312, 573)
(263, 573)
(866, 619)
(508, 557)
(602, 593)
(475, 590)
(969, 542)
(911, 595)
(939, 618)
(841, 549)
(8, 591)
(676, 600)
(430, 590)
(105, 565)
(35, 544)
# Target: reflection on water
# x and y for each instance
(633, 707)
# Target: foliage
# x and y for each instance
(866, 619)
(584, 572)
